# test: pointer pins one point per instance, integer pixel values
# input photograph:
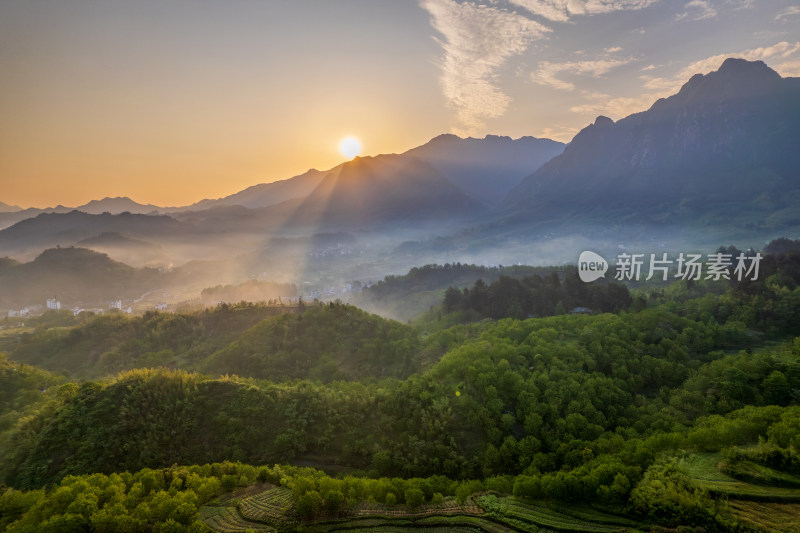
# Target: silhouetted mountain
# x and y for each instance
(65, 229)
(724, 146)
(5, 208)
(12, 217)
(369, 191)
(486, 169)
(117, 205)
(95, 207)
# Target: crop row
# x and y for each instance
(274, 505)
(594, 515)
(228, 520)
(461, 524)
(451, 506)
(542, 516)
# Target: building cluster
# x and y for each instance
(30, 310)
(334, 291)
(334, 251)
(54, 304)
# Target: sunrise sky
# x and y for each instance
(172, 101)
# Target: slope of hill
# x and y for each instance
(372, 191)
(77, 275)
(405, 297)
(724, 146)
(267, 194)
(327, 343)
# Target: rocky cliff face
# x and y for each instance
(727, 136)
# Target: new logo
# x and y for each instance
(591, 266)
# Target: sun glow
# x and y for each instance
(350, 147)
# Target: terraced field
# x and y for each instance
(702, 468)
(539, 516)
(455, 524)
(274, 507)
(779, 517)
(449, 506)
(272, 510)
(228, 520)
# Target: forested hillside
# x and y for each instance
(679, 410)
(325, 342)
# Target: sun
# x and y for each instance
(350, 147)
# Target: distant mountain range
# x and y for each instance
(485, 169)
(720, 153)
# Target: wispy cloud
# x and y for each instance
(698, 10)
(547, 73)
(790, 11)
(477, 40)
(562, 10)
(559, 133)
(784, 57)
(596, 103)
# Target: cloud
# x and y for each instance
(562, 10)
(788, 12)
(477, 40)
(547, 73)
(559, 133)
(615, 107)
(698, 10)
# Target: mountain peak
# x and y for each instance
(602, 121)
(742, 67)
(736, 78)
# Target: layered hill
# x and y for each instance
(65, 229)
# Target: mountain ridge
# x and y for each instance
(726, 136)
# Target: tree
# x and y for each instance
(414, 498)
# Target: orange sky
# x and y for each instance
(172, 102)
